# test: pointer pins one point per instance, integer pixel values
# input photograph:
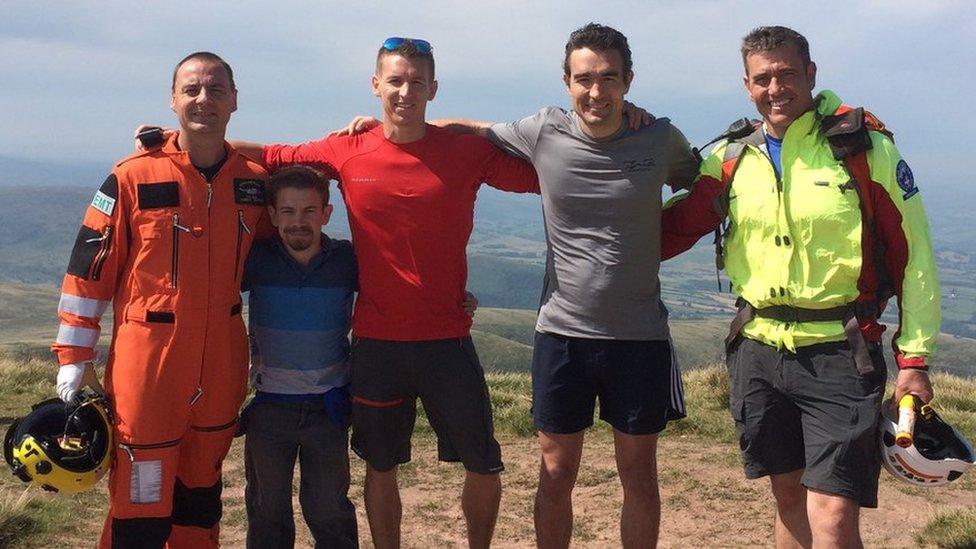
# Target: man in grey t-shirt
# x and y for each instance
(601, 197)
(602, 330)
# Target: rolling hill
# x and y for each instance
(503, 336)
(506, 253)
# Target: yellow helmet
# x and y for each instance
(59, 447)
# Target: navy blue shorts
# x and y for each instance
(637, 382)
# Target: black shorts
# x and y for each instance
(387, 379)
(637, 382)
(809, 410)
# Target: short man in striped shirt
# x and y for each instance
(301, 285)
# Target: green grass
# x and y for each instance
(950, 530)
(511, 400)
(707, 402)
(514, 324)
(24, 514)
(955, 402)
(27, 375)
(26, 378)
(500, 354)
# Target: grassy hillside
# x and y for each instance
(38, 225)
(707, 502)
(504, 336)
(698, 341)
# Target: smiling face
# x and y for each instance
(780, 85)
(596, 84)
(299, 216)
(203, 97)
(404, 86)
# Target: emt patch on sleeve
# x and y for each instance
(104, 200)
(905, 179)
(103, 203)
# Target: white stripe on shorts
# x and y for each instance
(677, 389)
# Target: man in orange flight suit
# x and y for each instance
(165, 239)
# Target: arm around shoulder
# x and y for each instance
(319, 154)
(463, 125)
(509, 173)
(254, 151)
(683, 163)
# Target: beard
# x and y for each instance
(298, 239)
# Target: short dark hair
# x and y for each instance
(599, 37)
(409, 50)
(298, 177)
(763, 39)
(206, 56)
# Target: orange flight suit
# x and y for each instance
(167, 248)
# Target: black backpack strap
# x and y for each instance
(738, 134)
(846, 133)
(734, 151)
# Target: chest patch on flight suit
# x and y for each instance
(159, 195)
(249, 191)
(905, 179)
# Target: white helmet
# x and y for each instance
(938, 453)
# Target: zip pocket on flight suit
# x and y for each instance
(146, 474)
(102, 255)
(128, 448)
(215, 428)
(241, 229)
(175, 266)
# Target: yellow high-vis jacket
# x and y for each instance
(800, 240)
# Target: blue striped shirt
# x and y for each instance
(299, 317)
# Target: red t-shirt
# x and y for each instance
(411, 209)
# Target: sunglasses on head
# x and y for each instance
(395, 42)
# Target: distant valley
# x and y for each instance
(38, 225)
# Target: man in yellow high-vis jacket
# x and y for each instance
(824, 224)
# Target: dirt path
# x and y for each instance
(707, 501)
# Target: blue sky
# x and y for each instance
(78, 76)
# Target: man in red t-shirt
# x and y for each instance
(409, 189)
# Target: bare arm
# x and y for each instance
(464, 125)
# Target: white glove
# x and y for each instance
(70, 379)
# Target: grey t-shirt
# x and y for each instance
(601, 201)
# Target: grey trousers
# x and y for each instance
(277, 433)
